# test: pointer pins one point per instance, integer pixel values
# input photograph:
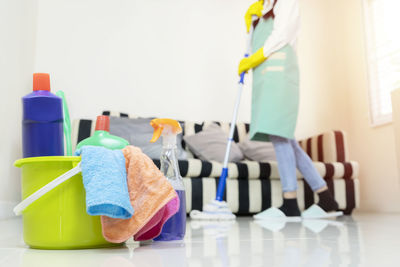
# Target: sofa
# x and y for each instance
(254, 186)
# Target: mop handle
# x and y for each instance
(224, 174)
(237, 103)
(233, 122)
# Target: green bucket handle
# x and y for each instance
(45, 189)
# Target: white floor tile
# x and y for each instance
(361, 240)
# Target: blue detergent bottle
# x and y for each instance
(175, 227)
(42, 121)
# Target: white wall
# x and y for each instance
(323, 102)
(372, 147)
(175, 58)
(335, 96)
(180, 61)
(17, 28)
(396, 124)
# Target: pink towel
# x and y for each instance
(154, 227)
(152, 197)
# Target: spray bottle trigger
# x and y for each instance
(157, 132)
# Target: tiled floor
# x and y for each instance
(361, 240)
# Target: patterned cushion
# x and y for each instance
(190, 128)
(258, 170)
(240, 133)
(117, 114)
(251, 196)
(327, 147)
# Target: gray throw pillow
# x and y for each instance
(210, 144)
(139, 133)
(258, 151)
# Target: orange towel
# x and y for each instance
(149, 192)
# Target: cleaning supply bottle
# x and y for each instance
(102, 136)
(42, 120)
(175, 227)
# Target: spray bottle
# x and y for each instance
(175, 227)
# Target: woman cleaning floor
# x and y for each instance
(275, 100)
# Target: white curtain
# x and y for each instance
(382, 19)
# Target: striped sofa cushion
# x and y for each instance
(83, 128)
(116, 114)
(327, 147)
(251, 196)
(240, 132)
(190, 128)
(265, 170)
(333, 153)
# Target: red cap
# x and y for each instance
(103, 123)
(41, 81)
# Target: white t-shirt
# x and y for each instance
(286, 25)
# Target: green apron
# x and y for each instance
(275, 96)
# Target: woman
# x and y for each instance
(275, 100)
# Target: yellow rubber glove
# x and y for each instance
(254, 10)
(253, 61)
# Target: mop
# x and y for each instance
(218, 209)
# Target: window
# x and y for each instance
(382, 20)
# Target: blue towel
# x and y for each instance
(104, 179)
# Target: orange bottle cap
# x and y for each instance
(102, 123)
(41, 82)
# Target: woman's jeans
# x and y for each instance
(289, 156)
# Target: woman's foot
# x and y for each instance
(289, 211)
(327, 202)
(290, 207)
(325, 208)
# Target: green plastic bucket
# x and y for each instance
(58, 219)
